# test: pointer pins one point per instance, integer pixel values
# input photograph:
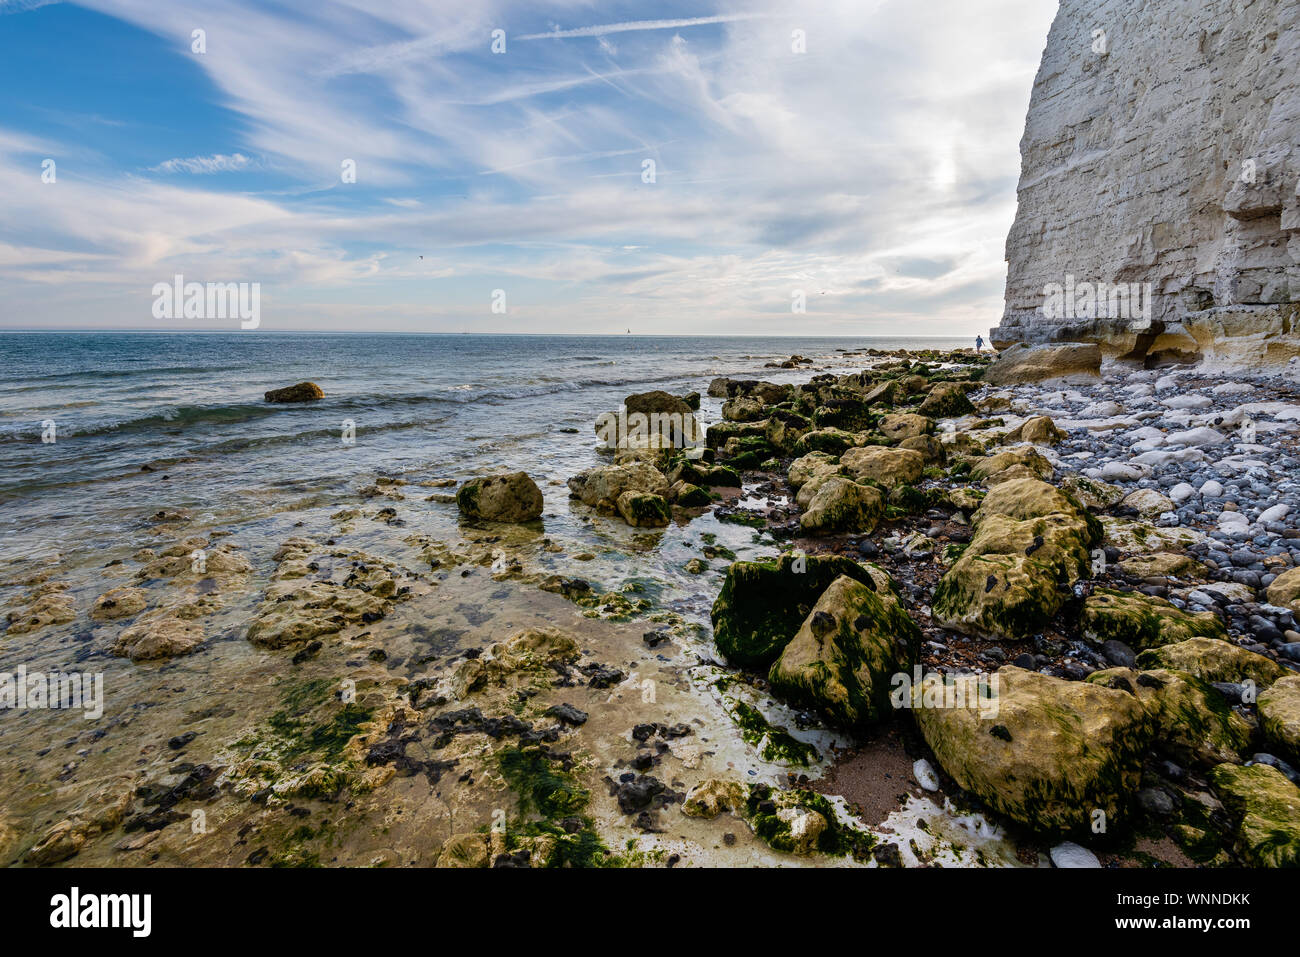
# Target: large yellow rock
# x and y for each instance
(1279, 716)
(843, 657)
(1045, 752)
(842, 505)
(1285, 590)
(904, 425)
(1266, 807)
(1212, 659)
(888, 466)
(1193, 721)
(1143, 621)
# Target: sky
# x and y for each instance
(578, 167)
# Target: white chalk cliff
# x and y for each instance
(1162, 146)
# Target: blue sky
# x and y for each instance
(873, 167)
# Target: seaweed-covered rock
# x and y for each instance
(302, 392)
(1143, 621)
(888, 466)
(947, 400)
(744, 409)
(643, 509)
(688, 496)
(1214, 660)
(1045, 752)
(785, 429)
(1279, 716)
(1029, 540)
(1161, 565)
(648, 403)
(716, 436)
(763, 604)
(513, 497)
(848, 413)
(830, 441)
(1193, 721)
(842, 505)
(710, 798)
(1092, 493)
(843, 657)
(930, 448)
(805, 467)
(1266, 809)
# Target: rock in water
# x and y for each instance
(302, 392)
(500, 498)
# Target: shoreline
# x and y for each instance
(426, 632)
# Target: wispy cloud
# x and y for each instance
(633, 25)
(204, 165)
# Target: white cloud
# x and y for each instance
(204, 165)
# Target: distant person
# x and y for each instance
(979, 343)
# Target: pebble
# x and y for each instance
(1069, 854)
(925, 775)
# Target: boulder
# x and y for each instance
(688, 496)
(905, 425)
(842, 505)
(1143, 621)
(513, 497)
(648, 403)
(1285, 590)
(1043, 751)
(806, 466)
(1029, 540)
(1020, 363)
(1148, 502)
(743, 409)
(888, 466)
(1026, 456)
(601, 487)
(1092, 493)
(763, 604)
(830, 441)
(1039, 430)
(785, 429)
(931, 449)
(1162, 565)
(1193, 721)
(947, 400)
(644, 509)
(1279, 717)
(1214, 660)
(302, 392)
(843, 657)
(1265, 807)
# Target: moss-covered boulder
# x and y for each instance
(844, 655)
(849, 414)
(785, 429)
(715, 796)
(644, 510)
(716, 436)
(1266, 811)
(830, 441)
(1193, 721)
(842, 505)
(1030, 541)
(1285, 590)
(929, 447)
(884, 393)
(1279, 717)
(947, 400)
(1045, 752)
(1090, 492)
(879, 463)
(806, 466)
(1214, 660)
(743, 409)
(688, 496)
(905, 425)
(763, 604)
(500, 498)
(1143, 621)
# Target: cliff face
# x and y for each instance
(1162, 147)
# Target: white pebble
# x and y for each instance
(1069, 854)
(925, 776)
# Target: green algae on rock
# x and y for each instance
(1029, 540)
(1143, 621)
(1279, 716)
(1212, 659)
(842, 658)
(762, 604)
(1193, 721)
(1266, 807)
(1045, 752)
(512, 498)
(842, 505)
